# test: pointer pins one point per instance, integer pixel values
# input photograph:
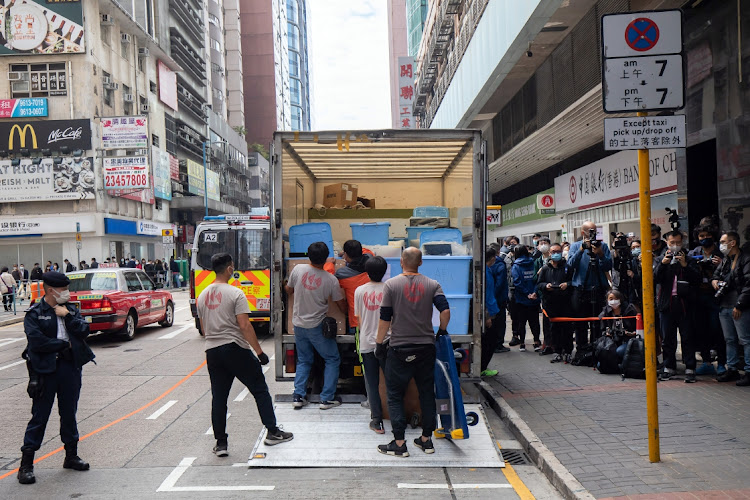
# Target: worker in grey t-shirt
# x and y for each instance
(407, 310)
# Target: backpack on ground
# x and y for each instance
(584, 356)
(634, 362)
(605, 351)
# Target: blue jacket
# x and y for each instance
(500, 276)
(523, 280)
(40, 325)
(489, 293)
(578, 259)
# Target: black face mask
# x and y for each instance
(707, 242)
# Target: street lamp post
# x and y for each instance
(205, 172)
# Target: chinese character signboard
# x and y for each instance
(648, 132)
(213, 185)
(162, 182)
(614, 178)
(25, 225)
(22, 108)
(406, 92)
(196, 180)
(65, 178)
(46, 134)
(126, 172)
(125, 132)
(531, 208)
(41, 27)
(174, 168)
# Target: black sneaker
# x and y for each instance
(690, 376)
(546, 351)
(537, 347)
(729, 376)
(221, 448)
(501, 348)
(514, 341)
(522, 348)
(299, 402)
(377, 426)
(744, 381)
(393, 449)
(327, 405)
(557, 358)
(425, 446)
(277, 437)
(667, 374)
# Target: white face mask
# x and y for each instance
(724, 248)
(544, 248)
(614, 303)
(62, 297)
(565, 254)
(675, 248)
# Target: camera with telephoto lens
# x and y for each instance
(674, 261)
(592, 241)
(723, 288)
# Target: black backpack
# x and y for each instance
(584, 356)
(605, 350)
(634, 361)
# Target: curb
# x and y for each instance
(540, 455)
(12, 321)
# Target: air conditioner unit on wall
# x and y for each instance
(143, 52)
(112, 86)
(125, 38)
(145, 108)
(127, 97)
(106, 80)
(107, 20)
(14, 76)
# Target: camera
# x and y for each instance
(620, 242)
(592, 241)
(674, 261)
(674, 219)
(722, 290)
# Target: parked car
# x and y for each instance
(120, 300)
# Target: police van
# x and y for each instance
(247, 238)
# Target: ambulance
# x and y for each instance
(247, 238)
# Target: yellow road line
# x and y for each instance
(518, 486)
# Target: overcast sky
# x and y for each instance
(349, 64)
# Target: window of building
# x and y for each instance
(107, 93)
(213, 20)
(295, 94)
(215, 44)
(217, 69)
(152, 87)
(38, 80)
(170, 134)
(155, 140)
(292, 36)
(296, 118)
(292, 11)
(293, 64)
(105, 34)
(127, 105)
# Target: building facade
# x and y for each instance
(416, 15)
(397, 47)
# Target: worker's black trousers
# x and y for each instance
(398, 372)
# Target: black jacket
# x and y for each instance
(40, 325)
(626, 309)
(738, 279)
(664, 275)
(36, 273)
(69, 268)
(555, 297)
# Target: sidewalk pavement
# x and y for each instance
(596, 426)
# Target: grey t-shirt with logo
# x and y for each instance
(312, 289)
(411, 296)
(218, 308)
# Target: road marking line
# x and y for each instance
(11, 366)
(168, 485)
(175, 333)
(466, 486)
(241, 396)
(518, 485)
(161, 410)
(5, 342)
(181, 309)
(211, 429)
(114, 422)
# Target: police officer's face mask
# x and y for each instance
(61, 296)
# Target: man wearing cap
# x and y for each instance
(55, 353)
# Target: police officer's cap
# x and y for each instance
(55, 279)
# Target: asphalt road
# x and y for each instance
(145, 442)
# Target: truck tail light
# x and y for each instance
(289, 361)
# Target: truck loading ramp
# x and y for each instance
(340, 437)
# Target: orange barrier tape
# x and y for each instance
(562, 319)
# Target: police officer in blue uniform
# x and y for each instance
(55, 353)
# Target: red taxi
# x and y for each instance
(120, 300)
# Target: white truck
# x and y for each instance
(392, 172)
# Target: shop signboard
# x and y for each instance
(20, 225)
(51, 179)
(23, 108)
(162, 182)
(644, 132)
(46, 134)
(196, 179)
(529, 208)
(124, 132)
(41, 27)
(174, 168)
(126, 172)
(614, 179)
(213, 186)
(406, 94)
(151, 228)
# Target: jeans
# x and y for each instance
(308, 341)
(225, 363)
(397, 376)
(490, 338)
(736, 333)
(176, 280)
(708, 329)
(372, 368)
(528, 314)
(670, 322)
(65, 382)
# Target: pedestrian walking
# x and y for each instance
(225, 322)
(36, 272)
(94, 264)
(312, 286)
(7, 288)
(69, 268)
(174, 268)
(55, 355)
(406, 309)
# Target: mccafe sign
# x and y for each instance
(47, 134)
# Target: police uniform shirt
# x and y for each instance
(62, 332)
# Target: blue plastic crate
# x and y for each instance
(302, 235)
(460, 306)
(414, 232)
(451, 272)
(441, 234)
(431, 212)
(371, 233)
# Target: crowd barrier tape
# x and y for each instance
(562, 319)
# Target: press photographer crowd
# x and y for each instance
(590, 293)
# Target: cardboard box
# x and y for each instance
(367, 202)
(342, 194)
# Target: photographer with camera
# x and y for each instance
(544, 256)
(678, 278)
(621, 330)
(622, 272)
(706, 311)
(732, 284)
(553, 284)
(590, 260)
(636, 275)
